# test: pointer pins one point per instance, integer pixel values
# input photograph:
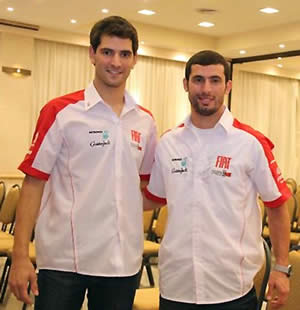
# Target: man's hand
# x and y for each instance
(21, 274)
(279, 287)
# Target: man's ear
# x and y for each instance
(186, 84)
(228, 87)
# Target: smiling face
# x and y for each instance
(113, 60)
(206, 89)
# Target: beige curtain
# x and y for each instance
(156, 84)
(269, 104)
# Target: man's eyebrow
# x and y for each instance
(207, 77)
(111, 49)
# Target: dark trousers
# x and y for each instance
(247, 302)
(60, 290)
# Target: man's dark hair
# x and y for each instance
(206, 58)
(114, 26)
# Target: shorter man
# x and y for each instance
(210, 170)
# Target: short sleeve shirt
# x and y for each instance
(210, 179)
(90, 218)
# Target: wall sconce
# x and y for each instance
(16, 71)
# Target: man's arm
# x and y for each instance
(279, 225)
(150, 204)
(22, 270)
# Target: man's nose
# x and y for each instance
(206, 86)
(116, 60)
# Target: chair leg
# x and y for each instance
(150, 274)
(140, 276)
(4, 279)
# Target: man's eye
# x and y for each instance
(125, 54)
(107, 52)
(216, 80)
(199, 79)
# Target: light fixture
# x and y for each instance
(279, 58)
(269, 10)
(105, 11)
(180, 58)
(141, 51)
(73, 21)
(146, 12)
(10, 9)
(242, 52)
(281, 45)
(16, 71)
(206, 24)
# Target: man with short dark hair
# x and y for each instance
(90, 151)
(209, 172)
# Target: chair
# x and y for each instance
(292, 208)
(263, 212)
(262, 277)
(7, 217)
(148, 298)
(148, 219)
(151, 248)
(297, 223)
(2, 192)
(8, 209)
(293, 302)
(292, 184)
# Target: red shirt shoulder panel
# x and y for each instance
(46, 119)
(276, 173)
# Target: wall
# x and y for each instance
(15, 101)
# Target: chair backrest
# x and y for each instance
(292, 208)
(263, 212)
(8, 210)
(292, 184)
(293, 302)
(262, 277)
(148, 217)
(161, 222)
(297, 197)
(2, 192)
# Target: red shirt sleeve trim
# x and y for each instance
(34, 172)
(145, 110)
(286, 194)
(154, 198)
(145, 177)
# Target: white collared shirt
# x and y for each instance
(212, 246)
(90, 218)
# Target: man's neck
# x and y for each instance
(113, 96)
(206, 122)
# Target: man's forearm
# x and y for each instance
(279, 224)
(27, 212)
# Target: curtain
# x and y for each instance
(269, 104)
(156, 84)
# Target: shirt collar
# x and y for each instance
(92, 97)
(224, 122)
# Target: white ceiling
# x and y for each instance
(232, 16)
